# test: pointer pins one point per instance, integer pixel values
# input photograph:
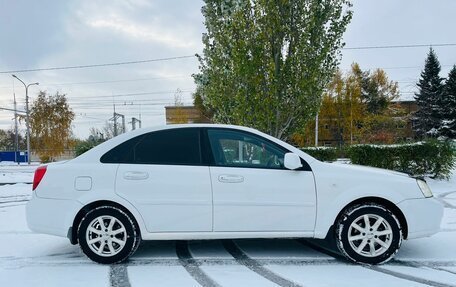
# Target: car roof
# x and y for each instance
(95, 153)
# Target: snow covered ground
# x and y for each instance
(28, 259)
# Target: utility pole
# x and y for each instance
(123, 123)
(115, 120)
(16, 135)
(316, 130)
(133, 123)
(140, 115)
(27, 112)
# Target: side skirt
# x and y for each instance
(224, 235)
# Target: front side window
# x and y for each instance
(240, 149)
(169, 147)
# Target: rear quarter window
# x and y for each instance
(169, 147)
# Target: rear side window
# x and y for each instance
(168, 147)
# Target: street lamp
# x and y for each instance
(27, 115)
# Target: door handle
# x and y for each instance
(136, 175)
(230, 178)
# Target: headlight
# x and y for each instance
(424, 188)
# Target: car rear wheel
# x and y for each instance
(108, 235)
(368, 233)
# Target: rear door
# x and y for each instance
(252, 190)
(162, 174)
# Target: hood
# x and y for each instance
(376, 170)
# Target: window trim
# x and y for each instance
(203, 162)
(206, 154)
(305, 165)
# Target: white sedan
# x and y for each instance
(184, 182)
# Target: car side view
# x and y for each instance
(205, 181)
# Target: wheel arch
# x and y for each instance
(388, 204)
(73, 231)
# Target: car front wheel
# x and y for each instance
(368, 233)
(108, 235)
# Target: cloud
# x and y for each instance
(154, 34)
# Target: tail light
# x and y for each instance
(39, 174)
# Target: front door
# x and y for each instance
(252, 191)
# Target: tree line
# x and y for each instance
(357, 107)
(273, 65)
(436, 100)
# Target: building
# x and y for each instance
(332, 132)
(184, 115)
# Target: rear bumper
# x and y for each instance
(423, 216)
(51, 216)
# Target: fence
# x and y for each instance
(13, 156)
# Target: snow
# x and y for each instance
(338, 275)
(425, 273)
(29, 259)
(11, 172)
(443, 187)
(56, 276)
(159, 276)
(236, 275)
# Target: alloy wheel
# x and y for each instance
(106, 236)
(370, 235)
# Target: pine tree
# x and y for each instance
(448, 127)
(428, 118)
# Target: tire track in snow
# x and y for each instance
(192, 266)
(7, 204)
(445, 194)
(441, 197)
(383, 270)
(407, 277)
(14, 201)
(256, 266)
(431, 265)
(324, 250)
(445, 203)
(16, 196)
(118, 276)
(444, 270)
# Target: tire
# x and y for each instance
(119, 239)
(376, 244)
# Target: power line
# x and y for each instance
(107, 81)
(411, 67)
(99, 106)
(97, 65)
(120, 102)
(193, 56)
(134, 94)
(398, 46)
(114, 81)
(396, 68)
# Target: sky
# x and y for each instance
(51, 33)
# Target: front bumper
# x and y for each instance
(51, 216)
(423, 216)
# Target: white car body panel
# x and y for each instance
(185, 205)
(340, 184)
(222, 235)
(421, 215)
(51, 216)
(265, 200)
(201, 207)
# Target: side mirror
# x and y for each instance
(292, 161)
